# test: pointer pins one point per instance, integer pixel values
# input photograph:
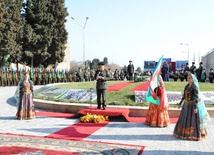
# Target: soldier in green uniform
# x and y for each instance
(79, 75)
(58, 75)
(49, 75)
(44, 76)
(4, 81)
(66, 76)
(9, 77)
(92, 73)
(101, 86)
(63, 75)
(20, 74)
(15, 77)
(36, 76)
(53, 75)
(87, 75)
(32, 75)
(109, 74)
(39, 76)
(73, 75)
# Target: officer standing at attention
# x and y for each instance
(193, 68)
(211, 75)
(130, 70)
(101, 85)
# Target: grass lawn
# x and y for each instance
(127, 97)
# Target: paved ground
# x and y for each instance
(158, 141)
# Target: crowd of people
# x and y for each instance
(181, 75)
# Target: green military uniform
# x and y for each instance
(66, 76)
(58, 76)
(3, 77)
(79, 75)
(15, 77)
(63, 75)
(39, 77)
(32, 75)
(20, 74)
(54, 80)
(87, 75)
(92, 74)
(9, 77)
(69, 75)
(44, 76)
(49, 76)
(73, 76)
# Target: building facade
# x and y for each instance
(207, 60)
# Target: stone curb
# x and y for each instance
(74, 108)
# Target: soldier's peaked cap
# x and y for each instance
(101, 64)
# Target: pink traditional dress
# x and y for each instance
(26, 108)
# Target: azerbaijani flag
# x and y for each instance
(156, 79)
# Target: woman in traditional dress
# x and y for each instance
(157, 114)
(193, 118)
(26, 108)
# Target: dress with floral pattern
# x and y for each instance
(188, 124)
(157, 116)
(26, 108)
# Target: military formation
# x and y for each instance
(43, 76)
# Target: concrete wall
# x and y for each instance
(66, 62)
(63, 65)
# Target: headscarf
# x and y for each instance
(203, 114)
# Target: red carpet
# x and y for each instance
(25, 150)
(117, 112)
(54, 114)
(77, 131)
(118, 86)
(140, 87)
(108, 112)
(173, 120)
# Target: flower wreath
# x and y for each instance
(93, 118)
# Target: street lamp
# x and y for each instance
(187, 50)
(83, 28)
